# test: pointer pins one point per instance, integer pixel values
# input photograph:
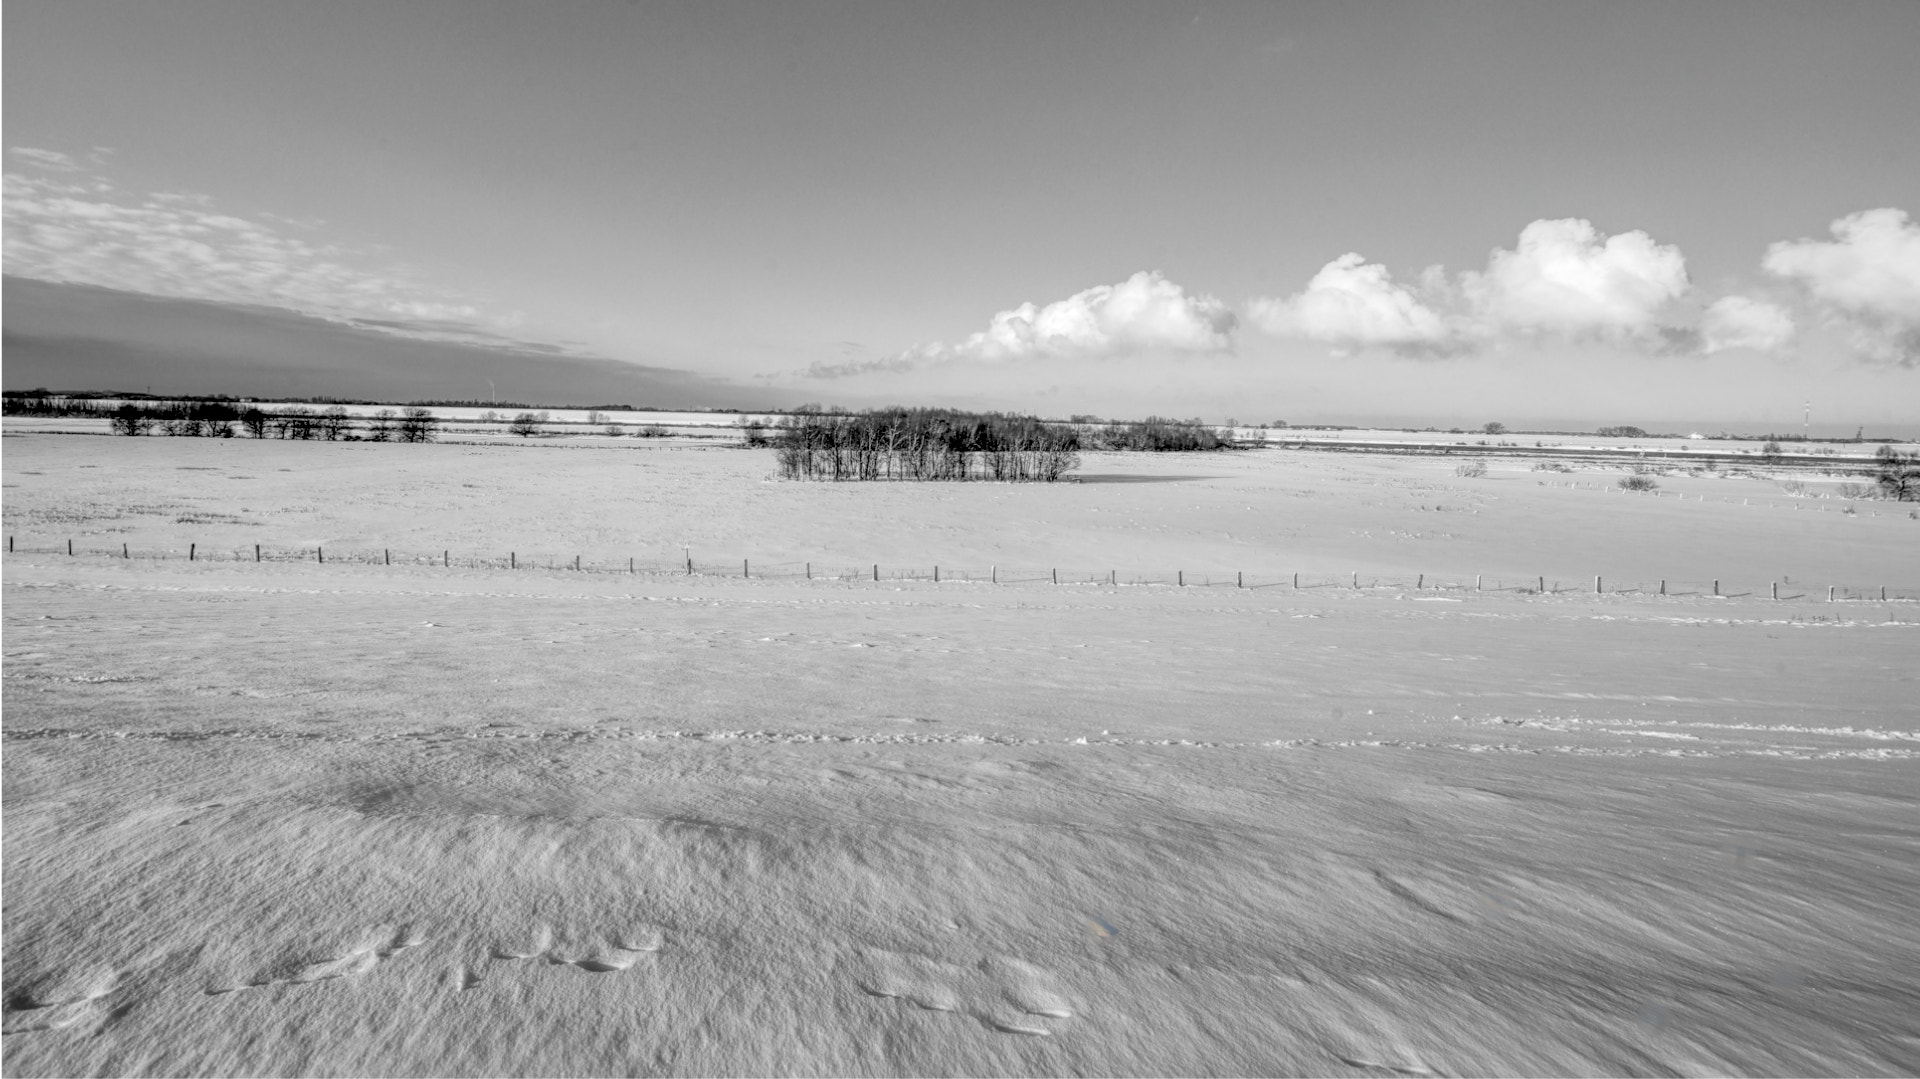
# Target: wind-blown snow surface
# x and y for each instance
(302, 819)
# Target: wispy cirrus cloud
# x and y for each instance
(1145, 314)
(65, 223)
(49, 160)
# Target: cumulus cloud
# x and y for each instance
(85, 230)
(1740, 322)
(1146, 313)
(1564, 278)
(1353, 304)
(1868, 277)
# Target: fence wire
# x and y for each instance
(1784, 588)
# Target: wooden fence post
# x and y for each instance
(936, 575)
(1356, 578)
(1716, 586)
(809, 571)
(1183, 578)
(1776, 590)
(191, 547)
(1113, 578)
(745, 570)
(876, 573)
(1596, 586)
(1883, 593)
(993, 574)
(9, 544)
(1296, 580)
(386, 556)
(1663, 586)
(513, 560)
(446, 559)
(1543, 586)
(1829, 593)
(629, 564)
(689, 565)
(124, 554)
(69, 548)
(320, 553)
(256, 552)
(1239, 580)
(1056, 576)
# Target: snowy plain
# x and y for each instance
(295, 818)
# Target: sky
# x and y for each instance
(1703, 213)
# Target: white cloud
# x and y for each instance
(1868, 277)
(1564, 278)
(1144, 313)
(1353, 304)
(85, 230)
(1741, 322)
(51, 160)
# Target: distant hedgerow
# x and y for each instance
(924, 444)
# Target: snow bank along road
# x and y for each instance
(290, 819)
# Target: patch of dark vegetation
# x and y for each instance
(1897, 474)
(1157, 434)
(924, 444)
(192, 418)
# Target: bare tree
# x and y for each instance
(255, 421)
(1898, 476)
(418, 425)
(526, 425)
(131, 419)
(299, 424)
(380, 428)
(334, 424)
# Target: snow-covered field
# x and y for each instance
(292, 818)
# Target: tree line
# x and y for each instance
(218, 419)
(951, 445)
(924, 444)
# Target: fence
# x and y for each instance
(1784, 588)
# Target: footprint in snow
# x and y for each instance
(1002, 993)
(59, 1001)
(596, 954)
(309, 966)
